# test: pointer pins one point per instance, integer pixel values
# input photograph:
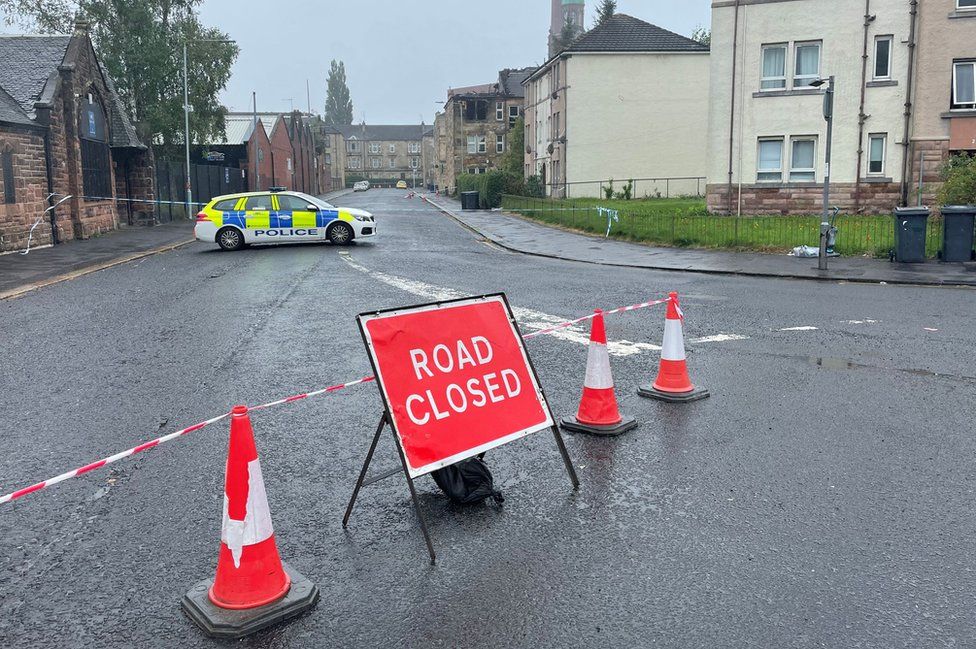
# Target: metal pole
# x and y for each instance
(186, 131)
(825, 219)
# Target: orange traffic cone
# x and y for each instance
(673, 382)
(253, 588)
(598, 413)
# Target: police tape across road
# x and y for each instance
(297, 397)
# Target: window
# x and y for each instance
(964, 84)
(773, 67)
(96, 161)
(392, 163)
(413, 147)
(414, 163)
(499, 144)
(374, 163)
(770, 167)
(513, 115)
(289, 203)
(877, 143)
(260, 203)
(499, 110)
(226, 206)
(374, 147)
(475, 110)
(472, 144)
(7, 162)
(482, 144)
(555, 126)
(807, 64)
(965, 4)
(328, 158)
(882, 57)
(803, 160)
(288, 163)
(355, 163)
(392, 148)
(352, 146)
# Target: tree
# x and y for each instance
(569, 33)
(338, 104)
(514, 157)
(702, 35)
(140, 43)
(605, 11)
(959, 176)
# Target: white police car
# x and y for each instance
(236, 220)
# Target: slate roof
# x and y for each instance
(27, 63)
(623, 33)
(11, 112)
(511, 81)
(383, 131)
(28, 70)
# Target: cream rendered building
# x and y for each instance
(766, 128)
(627, 100)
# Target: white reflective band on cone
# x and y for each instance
(256, 526)
(674, 342)
(598, 367)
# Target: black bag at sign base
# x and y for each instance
(467, 482)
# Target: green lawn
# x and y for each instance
(685, 222)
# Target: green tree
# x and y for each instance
(513, 159)
(338, 104)
(702, 35)
(605, 11)
(569, 33)
(959, 181)
(140, 43)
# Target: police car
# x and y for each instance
(276, 216)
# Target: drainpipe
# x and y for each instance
(861, 117)
(908, 104)
(49, 170)
(735, 47)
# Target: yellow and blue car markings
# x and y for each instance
(275, 219)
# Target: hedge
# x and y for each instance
(490, 186)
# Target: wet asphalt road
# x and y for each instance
(822, 497)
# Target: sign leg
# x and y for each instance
(416, 502)
(566, 460)
(362, 474)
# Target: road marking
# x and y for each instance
(861, 321)
(803, 328)
(527, 318)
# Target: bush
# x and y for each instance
(490, 186)
(608, 190)
(533, 187)
(959, 176)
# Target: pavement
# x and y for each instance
(20, 273)
(821, 497)
(520, 234)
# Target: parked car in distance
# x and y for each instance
(401, 184)
(361, 186)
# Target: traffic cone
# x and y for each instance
(253, 588)
(598, 413)
(673, 383)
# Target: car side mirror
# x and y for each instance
(312, 208)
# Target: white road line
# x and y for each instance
(804, 328)
(861, 321)
(718, 338)
(528, 318)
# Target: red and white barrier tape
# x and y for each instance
(297, 397)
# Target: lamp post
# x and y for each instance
(186, 113)
(828, 112)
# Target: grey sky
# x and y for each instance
(400, 55)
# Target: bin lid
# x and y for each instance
(964, 210)
(469, 193)
(912, 211)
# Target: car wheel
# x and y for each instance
(340, 234)
(230, 239)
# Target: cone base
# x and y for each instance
(651, 392)
(572, 424)
(219, 622)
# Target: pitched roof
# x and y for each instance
(123, 132)
(382, 131)
(28, 63)
(11, 112)
(237, 129)
(623, 33)
(511, 81)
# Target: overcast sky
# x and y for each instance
(401, 55)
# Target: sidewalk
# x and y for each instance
(523, 235)
(43, 266)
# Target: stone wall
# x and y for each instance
(874, 198)
(26, 148)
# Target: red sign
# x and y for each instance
(455, 378)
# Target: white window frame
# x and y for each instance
(955, 88)
(374, 163)
(969, 7)
(392, 147)
(499, 143)
(803, 170)
(760, 171)
(414, 163)
(891, 50)
(374, 147)
(352, 146)
(499, 110)
(482, 144)
(786, 66)
(796, 57)
(884, 153)
(472, 144)
(355, 163)
(392, 163)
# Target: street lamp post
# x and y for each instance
(828, 112)
(186, 114)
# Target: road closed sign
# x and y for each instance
(455, 377)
